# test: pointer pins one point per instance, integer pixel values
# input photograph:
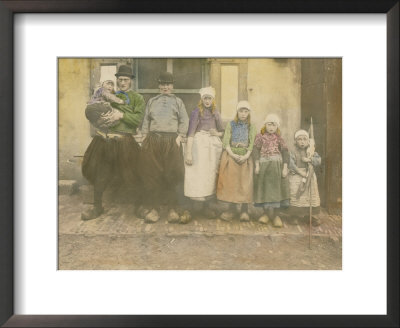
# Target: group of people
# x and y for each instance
(198, 158)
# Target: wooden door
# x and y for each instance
(321, 99)
(229, 78)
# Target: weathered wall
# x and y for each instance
(74, 128)
(274, 87)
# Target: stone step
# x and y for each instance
(67, 187)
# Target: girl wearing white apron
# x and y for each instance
(203, 151)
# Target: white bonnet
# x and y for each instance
(108, 81)
(207, 91)
(272, 118)
(301, 133)
(243, 104)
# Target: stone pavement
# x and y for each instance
(120, 219)
(119, 240)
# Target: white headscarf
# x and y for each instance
(107, 81)
(243, 104)
(301, 133)
(272, 118)
(207, 91)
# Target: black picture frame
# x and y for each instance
(8, 127)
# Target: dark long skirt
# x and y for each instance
(113, 162)
(270, 189)
(162, 169)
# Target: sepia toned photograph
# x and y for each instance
(199, 163)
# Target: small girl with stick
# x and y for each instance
(271, 190)
(235, 181)
(302, 178)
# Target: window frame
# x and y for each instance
(170, 64)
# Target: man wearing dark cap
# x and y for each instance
(165, 125)
(114, 156)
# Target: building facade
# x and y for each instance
(295, 89)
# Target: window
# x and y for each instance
(190, 74)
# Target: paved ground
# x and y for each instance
(120, 240)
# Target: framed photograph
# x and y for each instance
(199, 169)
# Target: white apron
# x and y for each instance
(201, 176)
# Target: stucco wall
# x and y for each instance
(274, 86)
(74, 129)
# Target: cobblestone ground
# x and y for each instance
(120, 240)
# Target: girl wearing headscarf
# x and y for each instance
(299, 161)
(271, 190)
(203, 151)
(235, 181)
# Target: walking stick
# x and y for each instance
(307, 181)
(310, 223)
(310, 153)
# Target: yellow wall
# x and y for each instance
(274, 86)
(74, 128)
(229, 90)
